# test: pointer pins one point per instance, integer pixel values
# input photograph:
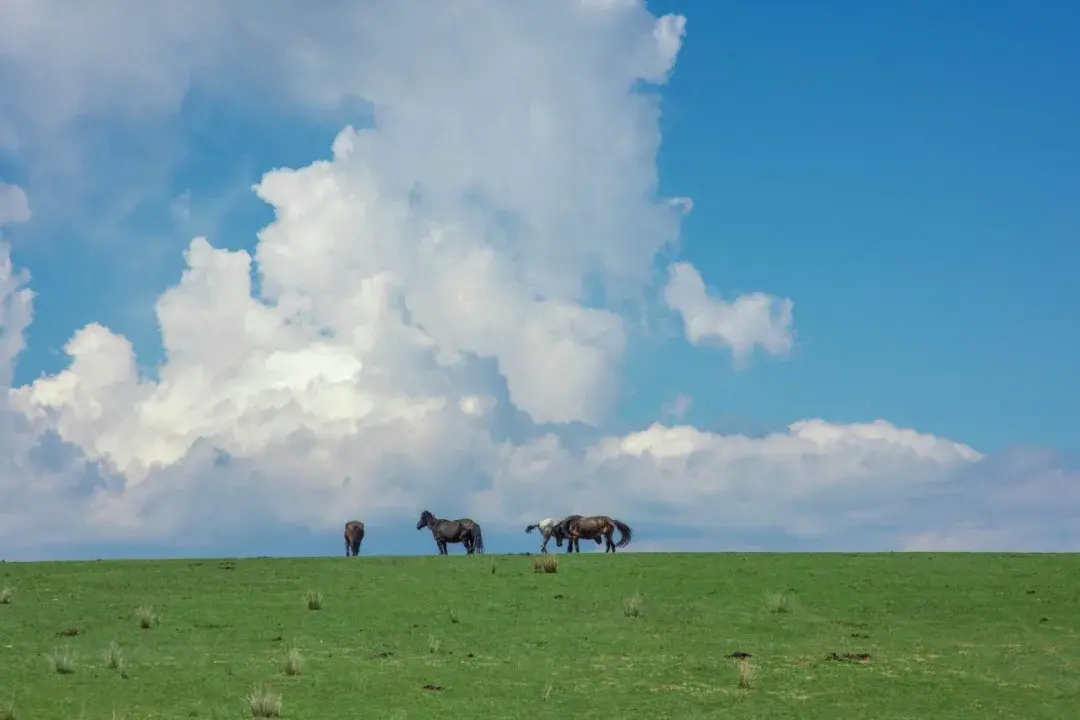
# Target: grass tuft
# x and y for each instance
(777, 603)
(747, 675)
(147, 617)
(264, 703)
(63, 660)
(314, 600)
(293, 660)
(5, 596)
(7, 712)
(433, 644)
(453, 615)
(545, 564)
(113, 657)
(634, 606)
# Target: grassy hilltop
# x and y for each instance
(628, 636)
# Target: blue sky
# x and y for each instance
(906, 176)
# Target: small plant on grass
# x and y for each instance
(747, 675)
(5, 596)
(7, 712)
(453, 615)
(634, 606)
(114, 659)
(147, 617)
(777, 603)
(63, 660)
(292, 662)
(313, 600)
(264, 703)
(545, 564)
(433, 644)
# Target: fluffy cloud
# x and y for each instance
(749, 321)
(14, 207)
(419, 325)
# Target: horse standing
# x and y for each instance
(354, 535)
(595, 527)
(464, 531)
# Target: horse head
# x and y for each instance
(425, 519)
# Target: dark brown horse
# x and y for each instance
(594, 527)
(463, 531)
(354, 535)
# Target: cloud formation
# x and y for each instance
(434, 309)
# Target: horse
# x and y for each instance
(595, 527)
(463, 530)
(354, 535)
(550, 529)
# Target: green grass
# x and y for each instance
(643, 636)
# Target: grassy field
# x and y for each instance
(630, 636)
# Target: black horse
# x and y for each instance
(463, 531)
(354, 535)
(561, 532)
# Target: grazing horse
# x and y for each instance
(463, 531)
(595, 527)
(549, 529)
(354, 535)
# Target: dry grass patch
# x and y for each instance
(7, 712)
(113, 657)
(147, 617)
(293, 660)
(5, 596)
(747, 675)
(545, 564)
(777, 603)
(62, 660)
(634, 606)
(314, 600)
(433, 644)
(264, 703)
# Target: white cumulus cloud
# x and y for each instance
(748, 321)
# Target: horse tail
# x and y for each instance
(530, 528)
(478, 538)
(624, 530)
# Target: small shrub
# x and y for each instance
(5, 596)
(545, 564)
(547, 692)
(454, 616)
(292, 662)
(433, 644)
(63, 660)
(314, 600)
(747, 675)
(493, 566)
(7, 712)
(114, 659)
(147, 617)
(777, 603)
(264, 703)
(633, 606)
